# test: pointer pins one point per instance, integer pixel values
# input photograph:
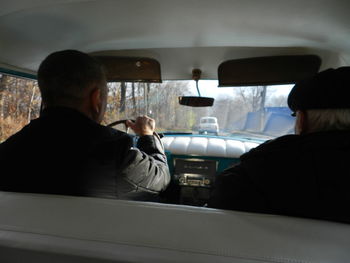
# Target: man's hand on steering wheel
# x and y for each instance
(143, 125)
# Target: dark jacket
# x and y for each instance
(65, 152)
(297, 175)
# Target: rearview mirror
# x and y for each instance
(196, 101)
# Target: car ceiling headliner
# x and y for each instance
(181, 34)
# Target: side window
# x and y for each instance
(19, 103)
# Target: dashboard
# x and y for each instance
(195, 160)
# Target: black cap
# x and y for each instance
(329, 89)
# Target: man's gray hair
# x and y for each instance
(328, 119)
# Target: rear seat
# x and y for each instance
(48, 228)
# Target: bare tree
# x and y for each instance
(3, 80)
(19, 102)
(148, 88)
(144, 98)
(134, 106)
(278, 101)
(30, 103)
(122, 97)
(253, 97)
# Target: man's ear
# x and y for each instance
(95, 100)
(301, 125)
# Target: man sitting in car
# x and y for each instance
(66, 150)
(306, 174)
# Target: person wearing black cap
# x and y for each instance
(303, 175)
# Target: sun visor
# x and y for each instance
(131, 69)
(267, 70)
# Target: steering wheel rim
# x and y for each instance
(159, 135)
(115, 123)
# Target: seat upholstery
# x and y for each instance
(48, 228)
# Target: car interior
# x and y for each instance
(215, 76)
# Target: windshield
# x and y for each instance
(208, 120)
(250, 112)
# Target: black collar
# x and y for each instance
(66, 113)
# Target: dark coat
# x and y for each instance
(298, 175)
(65, 152)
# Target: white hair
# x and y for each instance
(328, 120)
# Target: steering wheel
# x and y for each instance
(115, 123)
(134, 136)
